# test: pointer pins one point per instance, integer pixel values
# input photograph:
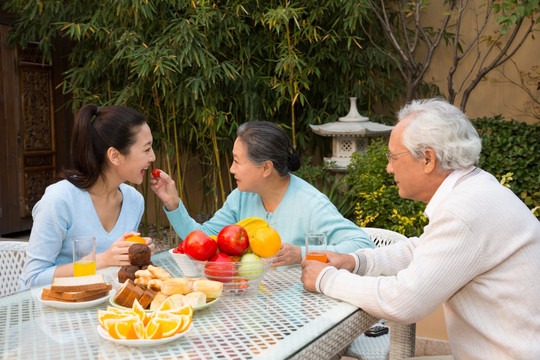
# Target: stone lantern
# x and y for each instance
(351, 133)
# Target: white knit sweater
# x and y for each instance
(479, 257)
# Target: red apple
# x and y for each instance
(220, 267)
(233, 240)
(199, 246)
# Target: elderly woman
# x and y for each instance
(262, 161)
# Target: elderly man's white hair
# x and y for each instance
(445, 129)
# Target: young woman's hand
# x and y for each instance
(117, 253)
(150, 243)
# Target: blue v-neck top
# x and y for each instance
(303, 210)
(65, 212)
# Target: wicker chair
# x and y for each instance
(12, 255)
(400, 342)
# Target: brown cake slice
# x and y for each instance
(146, 299)
(128, 293)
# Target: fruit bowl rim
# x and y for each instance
(265, 260)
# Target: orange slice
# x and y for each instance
(164, 315)
(139, 310)
(105, 315)
(186, 323)
(124, 328)
(153, 329)
(170, 326)
(173, 302)
(115, 310)
(139, 330)
(184, 310)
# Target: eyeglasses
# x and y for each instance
(389, 156)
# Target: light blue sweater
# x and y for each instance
(303, 210)
(64, 212)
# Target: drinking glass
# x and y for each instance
(84, 256)
(316, 247)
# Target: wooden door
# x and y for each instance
(28, 154)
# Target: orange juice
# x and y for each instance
(83, 268)
(316, 255)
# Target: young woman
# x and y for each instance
(262, 161)
(110, 145)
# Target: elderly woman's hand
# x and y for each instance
(165, 188)
(288, 254)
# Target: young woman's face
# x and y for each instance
(248, 176)
(141, 155)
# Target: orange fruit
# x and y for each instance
(139, 330)
(136, 238)
(265, 242)
(170, 326)
(172, 302)
(105, 315)
(153, 329)
(184, 310)
(115, 310)
(185, 325)
(139, 310)
(126, 328)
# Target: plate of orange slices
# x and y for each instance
(135, 327)
(139, 342)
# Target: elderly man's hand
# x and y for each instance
(341, 261)
(310, 271)
(311, 268)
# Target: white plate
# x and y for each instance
(73, 305)
(140, 342)
(200, 307)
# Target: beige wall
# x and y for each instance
(433, 326)
(495, 94)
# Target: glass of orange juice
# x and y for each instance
(316, 247)
(84, 256)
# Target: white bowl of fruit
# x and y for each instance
(238, 256)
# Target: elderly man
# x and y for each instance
(479, 256)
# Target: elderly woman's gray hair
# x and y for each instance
(445, 129)
(267, 141)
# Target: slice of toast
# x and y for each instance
(75, 295)
(80, 283)
(93, 296)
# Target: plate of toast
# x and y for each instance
(76, 292)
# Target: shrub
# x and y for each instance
(329, 184)
(512, 147)
(375, 195)
(510, 151)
